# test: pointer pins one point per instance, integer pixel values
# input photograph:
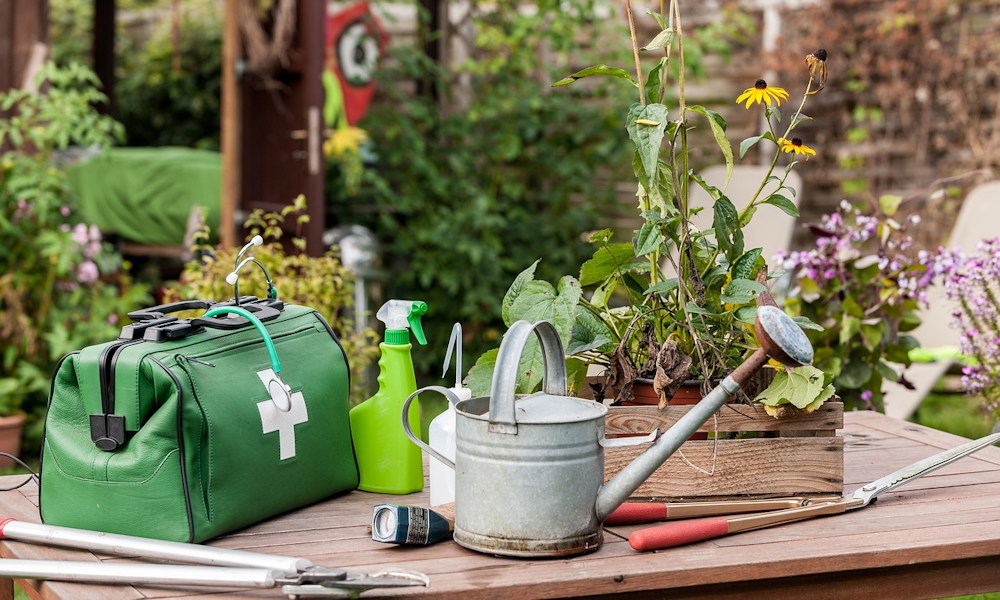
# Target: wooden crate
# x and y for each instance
(807, 457)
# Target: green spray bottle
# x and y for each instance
(387, 461)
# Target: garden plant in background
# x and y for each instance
(975, 291)
(321, 283)
(675, 302)
(483, 169)
(863, 282)
(61, 287)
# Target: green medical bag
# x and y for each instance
(175, 431)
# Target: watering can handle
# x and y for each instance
(502, 418)
(451, 397)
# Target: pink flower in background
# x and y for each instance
(87, 272)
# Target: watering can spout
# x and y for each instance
(779, 337)
(621, 486)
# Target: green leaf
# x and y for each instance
(601, 237)
(800, 118)
(748, 143)
(807, 323)
(576, 375)
(664, 287)
(854, 375)
(647, 138)
(589, 333)
(849, 327)
(480, 378)
(744, 266)
(652, 84)
(726, 224)
(783, 203)
(741, 291)
(658, 17)
(889, 204)
(662, 40)
(694, 309)
(718, 125)
(515, 289)
(603, 292)
(648, 240)
(597, 70)
(606, 261)
(747, 314)
(748, 214)
(872, 335)
(539, 301)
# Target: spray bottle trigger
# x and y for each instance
(417, 310)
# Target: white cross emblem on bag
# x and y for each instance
(274, 418)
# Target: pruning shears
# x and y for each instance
(208, 566)
(785, 510)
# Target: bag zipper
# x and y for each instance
(107, 430)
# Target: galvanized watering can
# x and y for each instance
(530, 468)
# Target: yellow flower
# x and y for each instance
(795, 145)
(762, 93)
(344, 141)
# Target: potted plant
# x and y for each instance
(674, 302)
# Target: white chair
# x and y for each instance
(978, 219)
(771, 228)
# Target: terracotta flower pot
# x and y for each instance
(11, 430)
(689, 393)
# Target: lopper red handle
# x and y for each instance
(677, 534)
(637, 512)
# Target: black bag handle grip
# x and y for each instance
(158, 312)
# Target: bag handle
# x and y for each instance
(502, 418)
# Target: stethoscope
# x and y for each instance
(280, 392)
(233, 278)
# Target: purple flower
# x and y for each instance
(87, 272)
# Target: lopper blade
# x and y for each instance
(867, 494)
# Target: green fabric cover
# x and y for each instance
(145, 194)
(198, 463)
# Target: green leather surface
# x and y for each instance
(218, 472)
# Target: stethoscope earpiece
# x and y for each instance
(234, 277)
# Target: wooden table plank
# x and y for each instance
(937, 536)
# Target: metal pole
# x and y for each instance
(112, 543)
(97, 572)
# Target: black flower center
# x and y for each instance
(796, 141)
(820, 54)
(760, 84)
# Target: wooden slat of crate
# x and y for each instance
(810, 462)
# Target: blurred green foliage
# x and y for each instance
(491, 172)
(62, 288)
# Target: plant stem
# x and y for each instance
(777, 152)
(635, 52)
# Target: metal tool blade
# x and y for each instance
(866, 494)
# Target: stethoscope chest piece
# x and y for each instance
(280, 393)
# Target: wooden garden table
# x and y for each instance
(936, 537)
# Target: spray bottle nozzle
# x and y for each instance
(400, 316)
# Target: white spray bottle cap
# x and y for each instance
(455, 346)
